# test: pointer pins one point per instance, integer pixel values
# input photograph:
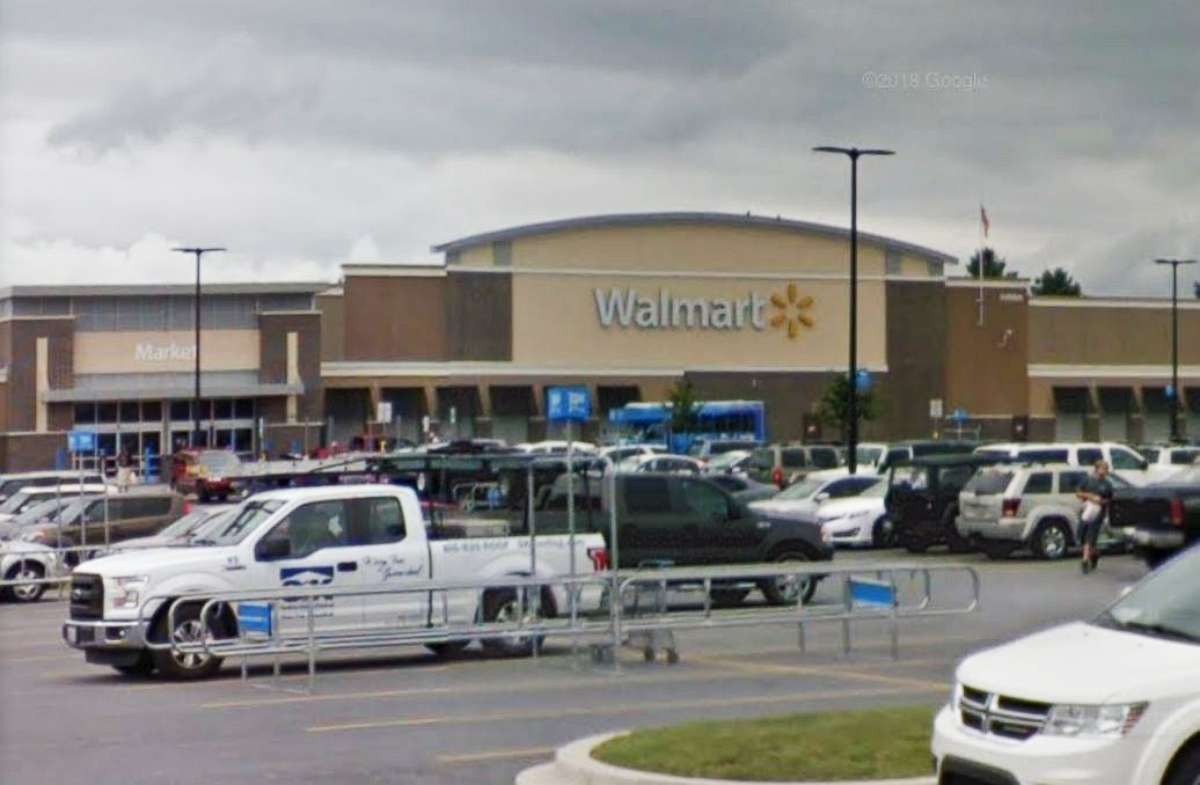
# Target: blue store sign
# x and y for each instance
(569, 403)
(81, 441)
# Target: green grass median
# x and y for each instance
(844, 745)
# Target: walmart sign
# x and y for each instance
(627, 307)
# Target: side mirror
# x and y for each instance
(272, 549)
(821, 497)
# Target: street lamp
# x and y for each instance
(198, 252)
(1175, 437)
(853, 154)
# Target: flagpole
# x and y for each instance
(982, 234)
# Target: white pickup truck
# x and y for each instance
(1115, 701)
(356, 536)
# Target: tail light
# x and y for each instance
(187, 506)
(1010, 507)
(777, 476)
(1177, 512)
(599, 557)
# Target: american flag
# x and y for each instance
(984, 220)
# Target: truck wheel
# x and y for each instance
(143, 667)
(913, 542)
(184, 665)
(883, 533)
(503, 607)
(789, 590)
(1051, 540)
(26, 571)
(728, 598)
(449, 649)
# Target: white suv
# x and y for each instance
(1114, 701)
(1005, 508)
(1125, 462)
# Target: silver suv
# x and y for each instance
(1007, 508)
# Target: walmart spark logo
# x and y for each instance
(791, 312)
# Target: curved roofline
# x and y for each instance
(728, 219)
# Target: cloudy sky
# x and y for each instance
(305, 134)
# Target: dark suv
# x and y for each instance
(922, 500)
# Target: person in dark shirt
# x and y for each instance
(1096, 493)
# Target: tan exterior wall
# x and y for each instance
(333, 327)
(1108, 335)
(688, 247)
(987, 366)
(556, 322)
(165, 352)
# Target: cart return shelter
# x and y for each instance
(746, 307)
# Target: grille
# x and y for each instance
(87, 596)
(1001, 715)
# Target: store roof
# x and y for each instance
(722, 219)
(134, 290)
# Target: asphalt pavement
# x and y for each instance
(403, 716)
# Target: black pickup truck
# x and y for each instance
(1164, 517)
(676, 520)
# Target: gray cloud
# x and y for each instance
(294, 130)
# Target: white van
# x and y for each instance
(1125, 462)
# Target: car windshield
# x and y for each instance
(727, 460)
(218, 461)
(15, 503)
(802, 490)
(1166, 605)
(868, 455)
(185, 524)
(42, 511)
(241, 521)
(989, 482)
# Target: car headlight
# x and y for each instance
(128, 590)
(1111, 720)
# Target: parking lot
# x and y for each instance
(404, 716)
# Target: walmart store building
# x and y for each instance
(746, 307)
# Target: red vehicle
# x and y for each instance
(206, 473)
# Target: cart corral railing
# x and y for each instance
(680, 599)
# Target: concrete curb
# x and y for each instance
(573, 765)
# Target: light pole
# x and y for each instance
(198, 252)
(853, 154)
(1175, 437)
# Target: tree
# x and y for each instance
(684, 407)
(1056, 283)
(993, 266)
(834, 407)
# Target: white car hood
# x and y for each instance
(1084, 663)
(20, 546)
(158, 560)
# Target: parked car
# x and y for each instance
(26, 561)
(1124, 461)
(900, 452)
(707, 449)
(1164, 517)
(33, 496)
(1006, 508)
(1048, 707)
(785, 464)
(95, 520)
(11, 483)
(922, 500)
(620, 452)
(745, 490)
(209, 474)
(859, 521)
(673, 464)
(193, 527)
(801, 501)
(679, 520)
(344, 536)
(555, 447)
(732, 462)
(1167, 459)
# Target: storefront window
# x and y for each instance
(85, 413)
(130, 411)
(181, 410)
(243, 409)
(151, 411)
(243, 440)
(223, 409)
(106, 412)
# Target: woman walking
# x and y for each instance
(1096, 493)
